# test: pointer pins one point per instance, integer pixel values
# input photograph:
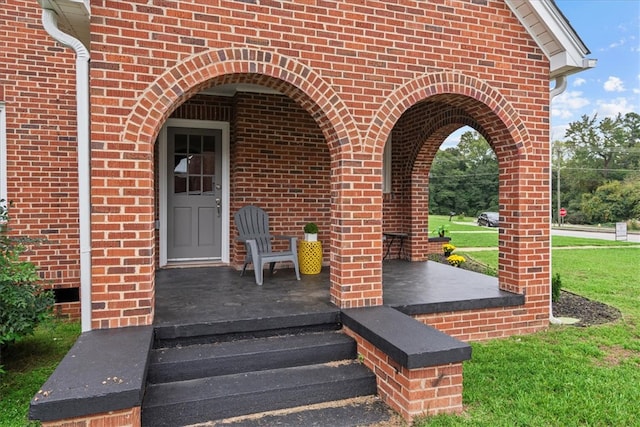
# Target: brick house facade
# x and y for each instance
(335, 81)
(306, 94)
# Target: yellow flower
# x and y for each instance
(447, 248)
(455, 260)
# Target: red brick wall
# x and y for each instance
(413, 392)
(482, 325)
(37, 77)
(280, 162)
(355, 68)
(122, 418)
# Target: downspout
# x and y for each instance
(50, 23)
(561, 86)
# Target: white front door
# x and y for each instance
(194, 191)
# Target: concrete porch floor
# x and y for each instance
(219, 300)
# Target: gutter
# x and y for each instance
(50, 23)
(561, 86)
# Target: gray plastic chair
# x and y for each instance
(253, 229)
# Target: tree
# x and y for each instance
(464, 179)
(614, 201)
(594, 153)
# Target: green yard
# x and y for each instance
(565, 376)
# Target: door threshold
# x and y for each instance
(194, 264)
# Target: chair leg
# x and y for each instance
(295, 266)
(272, 267)
(244, 267)
(258, 272)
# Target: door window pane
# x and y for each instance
(179, 184)
(209, 164)
(194, 184)
(207, 184)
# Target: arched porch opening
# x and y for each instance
(280, 98)
(427, 112)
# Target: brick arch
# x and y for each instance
(474, 100)
(242, 65)
(438, 128)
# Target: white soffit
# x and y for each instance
(73, 17)
(554, 34)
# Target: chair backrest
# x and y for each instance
(253, 223)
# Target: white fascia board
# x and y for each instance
(572, 58)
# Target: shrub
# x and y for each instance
(23, 301)
(442, 230)
(556, 286)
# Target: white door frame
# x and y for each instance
(164, 185)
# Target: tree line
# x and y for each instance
(595, 173)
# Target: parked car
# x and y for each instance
(489, 219)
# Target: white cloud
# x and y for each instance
(565, 105)
(613, 107)
(614, 84)
(557, 132)
(579, 82)
(619, 43)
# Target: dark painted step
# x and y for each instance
(213, 398)
(357, 412)
(223, 358)
(171, 335)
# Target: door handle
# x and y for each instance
(218, 205)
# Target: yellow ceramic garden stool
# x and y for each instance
(310, 257)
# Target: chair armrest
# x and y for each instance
(293, 241)
(253, 248)
(282, 237)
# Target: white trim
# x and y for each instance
(83, 107)
(386, 167)
(163, 185)
(546, 24)
(3, 152)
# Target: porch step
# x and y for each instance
(213, 398)
(253, 326)
(225, 379)
(223, 358)
(356, 412)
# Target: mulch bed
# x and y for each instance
(588, 311)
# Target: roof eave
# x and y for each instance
(73, 17)
(567, 53)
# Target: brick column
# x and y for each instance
(356, 233)
(524, 241)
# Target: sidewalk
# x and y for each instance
(495, 248)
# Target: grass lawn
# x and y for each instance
(465, 234)
(565, 376)
(28, 364)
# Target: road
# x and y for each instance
(603, 235)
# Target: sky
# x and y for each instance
(611, 31)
